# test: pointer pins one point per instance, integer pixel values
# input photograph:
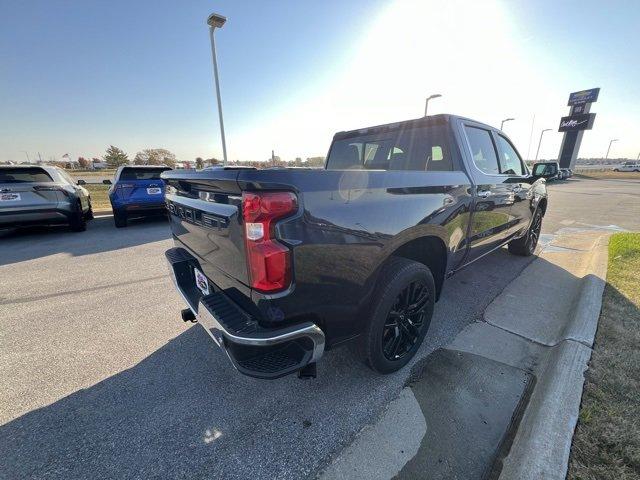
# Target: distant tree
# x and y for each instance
(115, 157)
(83, 162)
(314, 162)
(199, 163)
(212, 161)
(155, 156)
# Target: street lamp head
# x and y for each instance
(216, 21)
(508, 119)
(437, 95)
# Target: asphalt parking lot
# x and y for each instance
(101, 378)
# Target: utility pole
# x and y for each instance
(27, 154)
(217, 21)
(540, 141)
(426, 104)
(609, 149)
(505, 120)
(533, 121)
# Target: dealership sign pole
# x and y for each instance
(575, 124)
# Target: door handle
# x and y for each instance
(484, 193)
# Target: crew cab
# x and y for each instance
(137, 191)
(280, 265)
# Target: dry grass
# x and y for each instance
(99, 196)
(607, 174)
(606, 444)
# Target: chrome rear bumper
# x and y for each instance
(254, 350)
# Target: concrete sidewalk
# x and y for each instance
(542, 325)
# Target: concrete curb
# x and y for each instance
(542, 444)
(584, 323)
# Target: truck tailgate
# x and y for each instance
(204, 210)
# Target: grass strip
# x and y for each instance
(606, 444)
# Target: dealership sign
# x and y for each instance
(584, 96)
(576, 122)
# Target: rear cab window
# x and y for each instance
(133, 173)
(24, 175)
(417, 148)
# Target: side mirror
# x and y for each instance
(81, 182)
(106, 182)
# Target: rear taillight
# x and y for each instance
(50, 188)
(269, 262)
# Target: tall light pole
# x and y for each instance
(609, 149)
(27, 154)
(426, 104)
(540, 141)
(217, 21)
(505, 120)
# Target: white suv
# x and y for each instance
(628, 167)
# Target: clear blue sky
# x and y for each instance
(77, 76)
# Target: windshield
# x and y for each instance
(24, 175)
(132, 173)
(417, 149)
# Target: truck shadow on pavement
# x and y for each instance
(184, 412)
(18, 245)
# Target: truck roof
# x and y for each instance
(431, 120)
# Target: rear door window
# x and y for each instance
(132, 173)
(482, 150)
(24, 175)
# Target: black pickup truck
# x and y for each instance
(279, 265)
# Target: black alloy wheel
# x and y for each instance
(405, 321)
(533, 235)
(526, 245)
(399, 315)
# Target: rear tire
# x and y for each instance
(120, 219)
(526, 245)
(400, 315)
(78, 222)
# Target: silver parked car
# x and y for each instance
(42, 195)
